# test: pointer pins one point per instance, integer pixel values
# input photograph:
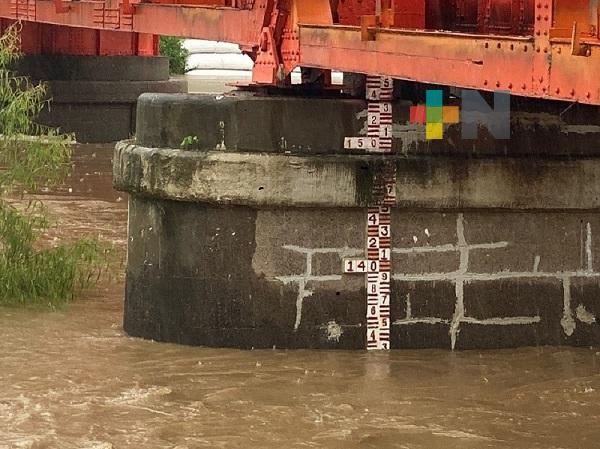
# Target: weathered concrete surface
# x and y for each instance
(242, 277)
(279, 180)
(245, 249)
(95, 96)
(243, 122)
(303, 125)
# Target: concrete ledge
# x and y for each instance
(304, 125)
(279, 180)
(110, 91)
(245, 122)
(95, 97)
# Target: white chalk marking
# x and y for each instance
(459, 308)
(448, 248)
(567, 322)
(468, 277)
(302, 279)
(588, 248)
(459, 277)
(334, 331)
(312, 277)
(302, 294)
(424, 320)
(499, 321)
(503, 321)
(584, 316)
(346, 251)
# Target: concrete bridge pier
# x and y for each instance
(94, 77)
(238, 239)
(95, 97)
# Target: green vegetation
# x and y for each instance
(190, 143)
(173, 48)
(33, 156)
(48, 277)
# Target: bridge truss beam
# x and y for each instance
(560, 60)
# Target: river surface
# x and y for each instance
(72, 379)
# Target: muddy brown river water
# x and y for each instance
(73, 379)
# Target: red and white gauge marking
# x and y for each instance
(378, 264)
(380, 91)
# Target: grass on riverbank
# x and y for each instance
(33, 156)
(47, 276)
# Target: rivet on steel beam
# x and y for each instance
(559, 50)
(485, 83)
(557, 90)
(572, 92)
(497, 83)
(499, 45)
(588, 95)
(510, 86)
(524, 86)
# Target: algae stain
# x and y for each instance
(364, 183)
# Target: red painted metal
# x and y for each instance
(404, 13)
(41, 38)
(537, 48)
(506, 17)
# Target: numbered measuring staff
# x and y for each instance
(374, 144)
(379, 88)
(361, 266)
(377, 266)
(379, 94)
(362, 143)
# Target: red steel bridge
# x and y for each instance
(536, 48)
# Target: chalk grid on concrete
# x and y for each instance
(458, 278)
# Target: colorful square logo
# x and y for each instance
(434, 115)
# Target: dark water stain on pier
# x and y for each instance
(73, 379)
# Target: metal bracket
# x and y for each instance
(383, 18)
(266, 65)
(577, 48)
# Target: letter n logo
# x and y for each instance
(476, 112)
